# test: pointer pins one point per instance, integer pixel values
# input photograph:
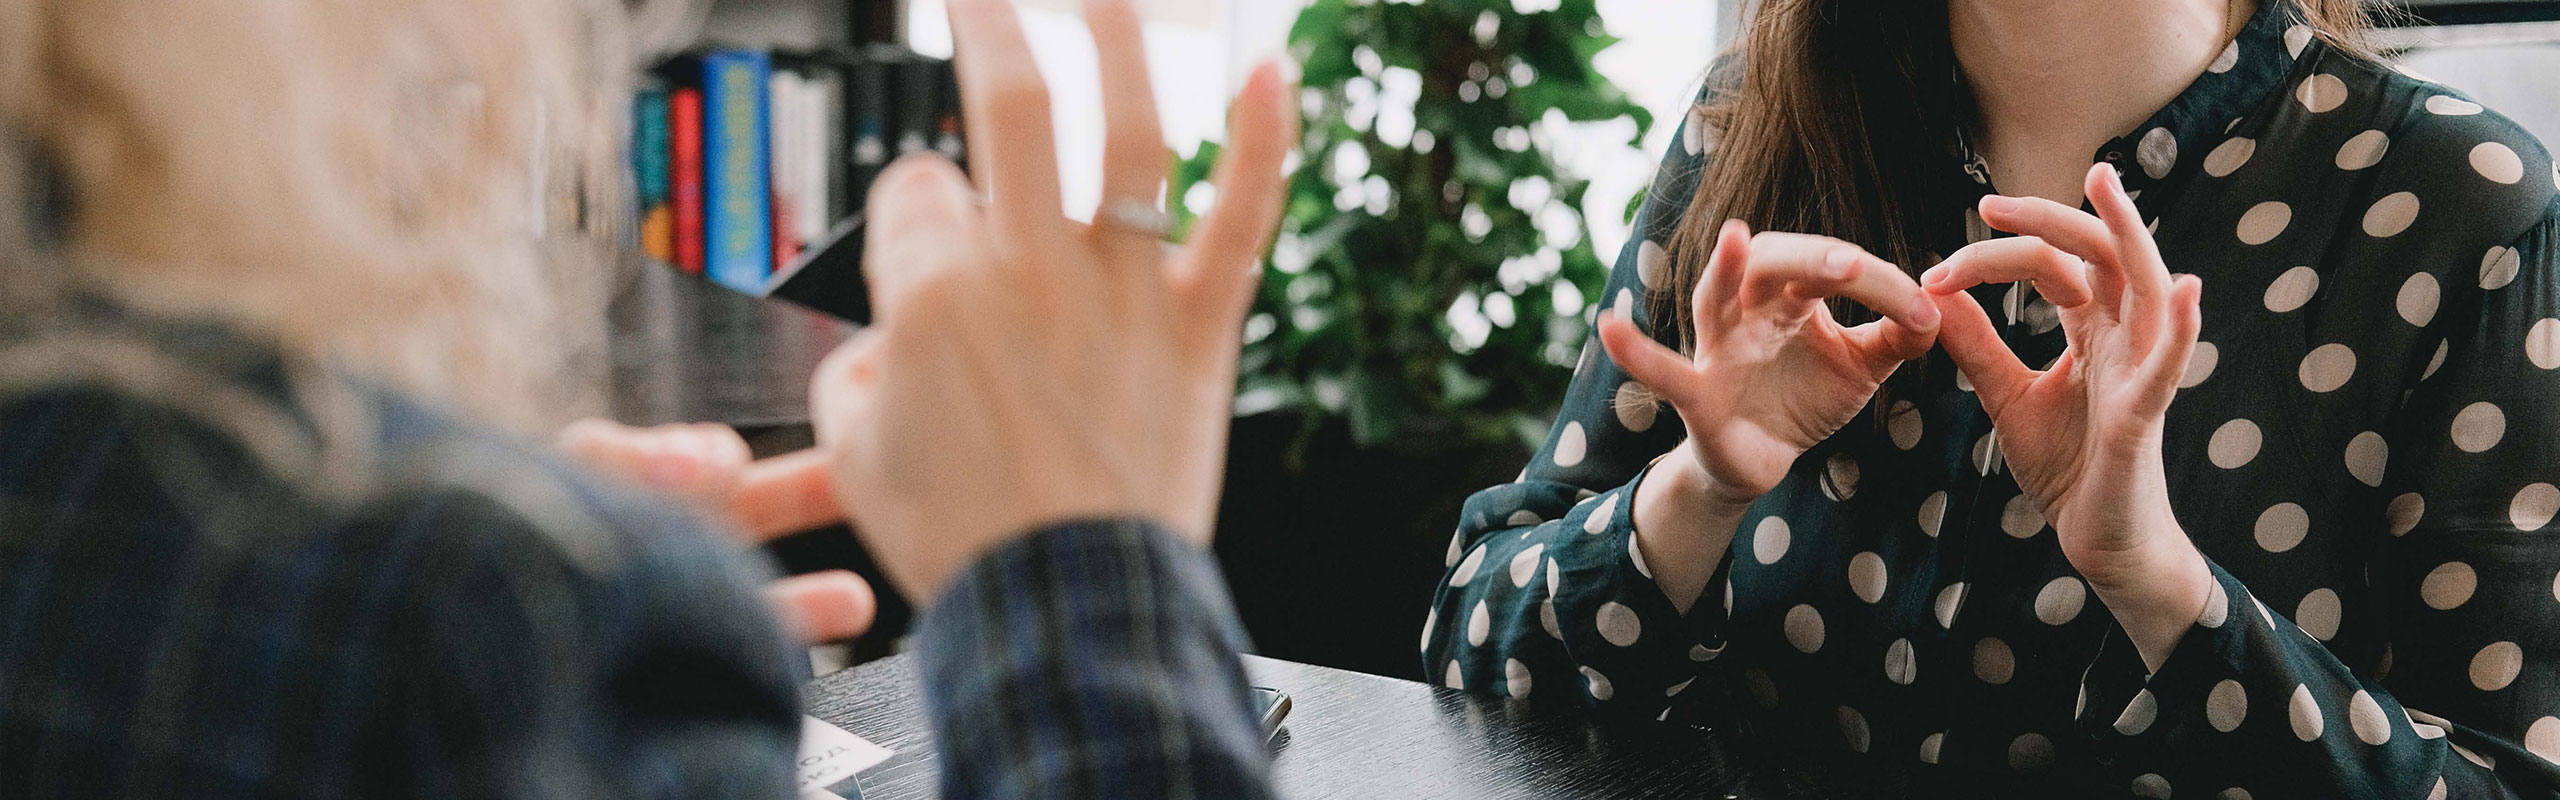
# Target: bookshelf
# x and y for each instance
(682, 348)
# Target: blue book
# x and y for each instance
(737, 118)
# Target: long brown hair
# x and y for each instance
(1839, 124)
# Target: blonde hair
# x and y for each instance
(423, 191)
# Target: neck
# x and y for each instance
(2055, 79)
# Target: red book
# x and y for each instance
(684, 112)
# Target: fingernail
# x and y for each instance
(1927, 314)
(1290, 72)
(1997, 204)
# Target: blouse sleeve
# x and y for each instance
(2463, 566)
(1545, 589)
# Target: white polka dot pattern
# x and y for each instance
(1804, 628)
(1853, 728)
(2030, 752)
(2496, 666)
(2390, 215)
(2229, 156)
(1618, 624)
(2478, 427)
(2533, 506)
(1524, 566)
(1602, 515)
(1950, 600)
(2542, 344)
(2317, 615)
(1993, 661)
(2020, 519)
(2497, 162)
(1653, 265)
(2367, 455)
(2282, 526)
(2151, 785)
(1867, 577)
(2226, 706)
(2264, 222)
(1597, 684)
(2418, 299)
(2292, 289)
(2234, 444)
(2060, 600)
(2328, 367)
(2450, 106)
(2543, 739)
(1636, 407)
(2364, 716)
(1570, 445)
(2139, 714)
(2405, 512)
(2449, 585)
(1901, 665)
(2498, 267)
(2200, 365)
(1769, 540)
(1466, 570)
(2321, 93)
(2157, 153)
(2305, 713)
(2363, 150)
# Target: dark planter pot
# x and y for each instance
(1335, 563)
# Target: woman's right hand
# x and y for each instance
(1773, 375)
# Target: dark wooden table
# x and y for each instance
(1356, 736)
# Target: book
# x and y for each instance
(652, 173)
(949, 137)
(737, 221)
(684, 137)
(869, 133)
(919, 109)
(790, 198)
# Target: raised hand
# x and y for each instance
(709, 466)
(1023, 369)
(2083, 436)
(1773, 374)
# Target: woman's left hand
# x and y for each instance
(2083, 436)
(709, 467)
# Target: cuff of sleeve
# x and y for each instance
(2121, 699)
(1078, 599)
(1605, 599)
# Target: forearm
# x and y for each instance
(1685, 525)
(1090, 660)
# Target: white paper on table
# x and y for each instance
(829, 754)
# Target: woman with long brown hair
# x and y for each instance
(2228, 476)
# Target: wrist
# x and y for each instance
(2157, 592)
(1687, 481)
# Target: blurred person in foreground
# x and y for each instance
(288, 307)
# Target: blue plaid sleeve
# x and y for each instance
(1091, 660)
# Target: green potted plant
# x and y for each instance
(1421, 312)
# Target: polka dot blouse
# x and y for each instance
(2366, 447)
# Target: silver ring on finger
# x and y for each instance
(1135, 218)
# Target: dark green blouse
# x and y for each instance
(2366, 448)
